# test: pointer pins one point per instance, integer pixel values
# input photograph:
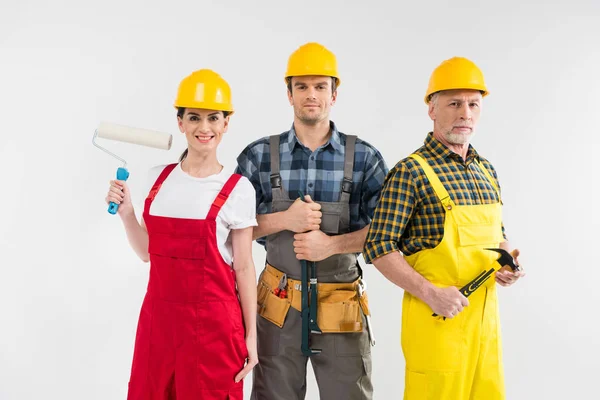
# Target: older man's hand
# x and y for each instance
(447, 302)
(505, 276)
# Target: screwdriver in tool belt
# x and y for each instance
(280, 291)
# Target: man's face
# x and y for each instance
(312, 98)
(455, 114)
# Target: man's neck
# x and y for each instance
(313, 136)
(460, 149)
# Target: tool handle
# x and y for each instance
(305, 313)
(308, 311)
(476, 283)
(314, 327)
(472, 286)
(122, 175)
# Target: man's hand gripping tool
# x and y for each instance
(504, 259)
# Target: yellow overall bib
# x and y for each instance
(458, 358)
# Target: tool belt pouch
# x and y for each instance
(339, 311)
(271, 307)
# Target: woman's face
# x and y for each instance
(203, 129)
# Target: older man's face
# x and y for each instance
(455, 114)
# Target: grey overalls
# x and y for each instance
(343, 368)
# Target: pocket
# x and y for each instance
(367, 364)
(261, 292)
(415, 385)
(429, 343)
(218, 349)
(238, 331)
(268, 336)
(330, 222)
(271, 307)
(479, 234)
(339, 311)
(177, 247)
(236, 394)
(355, 344)
(434, 385)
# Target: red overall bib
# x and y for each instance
(190, 338)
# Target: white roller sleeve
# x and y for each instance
(143, 137)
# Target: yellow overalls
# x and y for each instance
(458, 358)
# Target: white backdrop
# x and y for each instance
(71, 288)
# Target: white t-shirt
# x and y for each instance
(184, 196)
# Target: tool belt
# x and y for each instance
(339, 304)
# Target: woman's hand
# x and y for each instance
(252, 359)
(119, 193)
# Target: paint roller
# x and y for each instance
(121, 133)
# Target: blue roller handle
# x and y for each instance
(122, 175)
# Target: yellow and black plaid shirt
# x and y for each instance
(409, 216)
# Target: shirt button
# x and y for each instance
(310, 185)
(312, 158)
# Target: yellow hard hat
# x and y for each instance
(456, 73)
(204, 89)
(312, 59)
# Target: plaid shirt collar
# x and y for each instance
(438, 149)
(334, 143)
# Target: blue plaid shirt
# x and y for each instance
(318, 174)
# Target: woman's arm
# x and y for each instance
(136, 233)
(245, 276)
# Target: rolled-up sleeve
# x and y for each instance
(374, 176)
(392, 214)
(247, 166)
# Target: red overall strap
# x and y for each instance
(222, 196)
(156, 187)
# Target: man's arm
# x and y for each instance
(302, 216)
(391, 217)
(447, 302)
(316, 245)
(269, 224)
(352, 242)
(247, 165)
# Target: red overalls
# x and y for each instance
(190, 338)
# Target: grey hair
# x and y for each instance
(433, 99)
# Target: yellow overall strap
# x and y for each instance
(490, 178)
(435, 182)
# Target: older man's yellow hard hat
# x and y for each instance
(456, 73)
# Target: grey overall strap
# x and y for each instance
(348, 169)
(276, 184)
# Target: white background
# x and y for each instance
(71, 288)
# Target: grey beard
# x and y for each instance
(457, 138)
